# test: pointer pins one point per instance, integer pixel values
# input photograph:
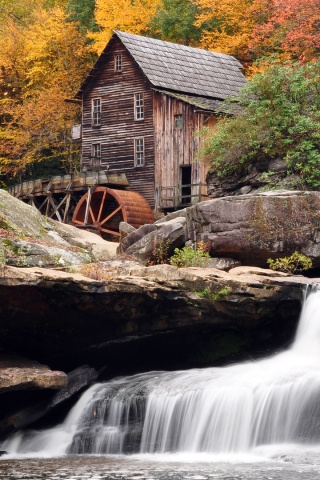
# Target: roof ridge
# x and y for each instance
(176, 67)
(120, 33)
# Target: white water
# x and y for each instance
(249, 407)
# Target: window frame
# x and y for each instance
(95, 160)
(178, 121)
(139, 153)
(139, 106)
(96, 114)
(118, 63)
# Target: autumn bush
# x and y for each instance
(160, 251)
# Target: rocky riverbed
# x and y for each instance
(130, 317)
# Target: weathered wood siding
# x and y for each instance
(176, 147)
(118, 127)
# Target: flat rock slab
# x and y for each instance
(17, 373)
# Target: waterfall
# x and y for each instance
(227, 409)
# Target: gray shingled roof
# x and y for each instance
(185, 69)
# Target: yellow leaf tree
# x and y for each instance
(227, 26)
(42, 63)
(132, 17)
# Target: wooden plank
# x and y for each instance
(61, 183)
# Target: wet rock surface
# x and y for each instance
(22, 408)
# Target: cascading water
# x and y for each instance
(229, 409)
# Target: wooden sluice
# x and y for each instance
(95, 199)
(57, 196)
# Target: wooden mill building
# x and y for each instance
(143, 103)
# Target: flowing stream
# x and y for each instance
(249, 412)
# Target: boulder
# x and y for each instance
(25, 409)
(134, 237)
(125, 228)
(147, 241)
(223, 263)
(28, 239)
(247, 228)
(253, 228)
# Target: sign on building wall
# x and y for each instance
(76, 132)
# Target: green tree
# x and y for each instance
(175, 21)
(82, 12)
(279, 116)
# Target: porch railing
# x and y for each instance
(180, 196)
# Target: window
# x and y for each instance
(139, 151)
(138, 106)
(96, 155)
(178, 121)
(96, 111)
(118, 63)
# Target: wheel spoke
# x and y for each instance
(111, 215)
(91, 213)
(101, 205)
(113, 232)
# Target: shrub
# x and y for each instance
(295, 263)
(215, 297)
(190, 256)
(277, 117)
(160, 251)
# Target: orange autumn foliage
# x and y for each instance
(290, 28)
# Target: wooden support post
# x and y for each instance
(86, 216)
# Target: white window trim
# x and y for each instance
(139, 154)
(118, 63)
(95, 154)
(139, 106)
(96, 122)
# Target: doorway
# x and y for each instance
(185, 184)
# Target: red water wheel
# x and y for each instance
(104, 208)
